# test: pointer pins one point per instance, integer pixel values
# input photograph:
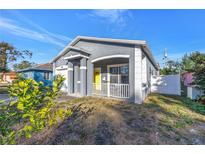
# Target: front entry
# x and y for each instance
(97, 78)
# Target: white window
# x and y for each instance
(119, 74)
(46, 76)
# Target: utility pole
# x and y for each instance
(165, 58)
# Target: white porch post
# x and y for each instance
(108, 81)
(138, 75)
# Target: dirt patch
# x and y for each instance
(160, 120)
(104, 134)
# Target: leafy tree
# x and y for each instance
(8, 54)
(195, 63)
(33, 109)
(171, 67)
(198, 69)
(187, 64)
(23, 65)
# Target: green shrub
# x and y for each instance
(32, 111)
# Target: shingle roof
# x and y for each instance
(39, 67)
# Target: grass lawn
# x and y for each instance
(162, 119)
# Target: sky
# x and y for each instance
(47, 32)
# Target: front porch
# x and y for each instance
(111, 78)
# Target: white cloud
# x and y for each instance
(111, 16)
(40, 34)
(40, 28)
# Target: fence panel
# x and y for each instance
(166, 84)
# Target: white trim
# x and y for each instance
(75, 56)
(100, 74)
(83, 67)
(109, 57)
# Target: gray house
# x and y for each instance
(106, 67)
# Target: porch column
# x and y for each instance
(83, 78)
(54, 69)
(76, 78)
(70, 77)
(131, 78)
(90, 71)
(138, 75)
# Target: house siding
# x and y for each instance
(138, 65)
(97, 50)
(146, 75)
(39, 76)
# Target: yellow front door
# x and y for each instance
(97, 78)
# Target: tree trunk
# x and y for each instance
(3, 61)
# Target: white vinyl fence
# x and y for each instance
(166, 84)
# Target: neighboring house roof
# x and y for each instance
(39, 67)
(142, 43)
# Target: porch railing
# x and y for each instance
(112, 90)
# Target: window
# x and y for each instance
(114, 71)
(30, 74)
(124, 74)
(150, 70)
(119, 74)
(46, 76)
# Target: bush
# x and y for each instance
(33, 110)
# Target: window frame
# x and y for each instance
(119, 74)
(46, 75)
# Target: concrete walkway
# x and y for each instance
(4, 97)
(63, 98)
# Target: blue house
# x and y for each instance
(41, 72)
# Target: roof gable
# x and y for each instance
(141, 43)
